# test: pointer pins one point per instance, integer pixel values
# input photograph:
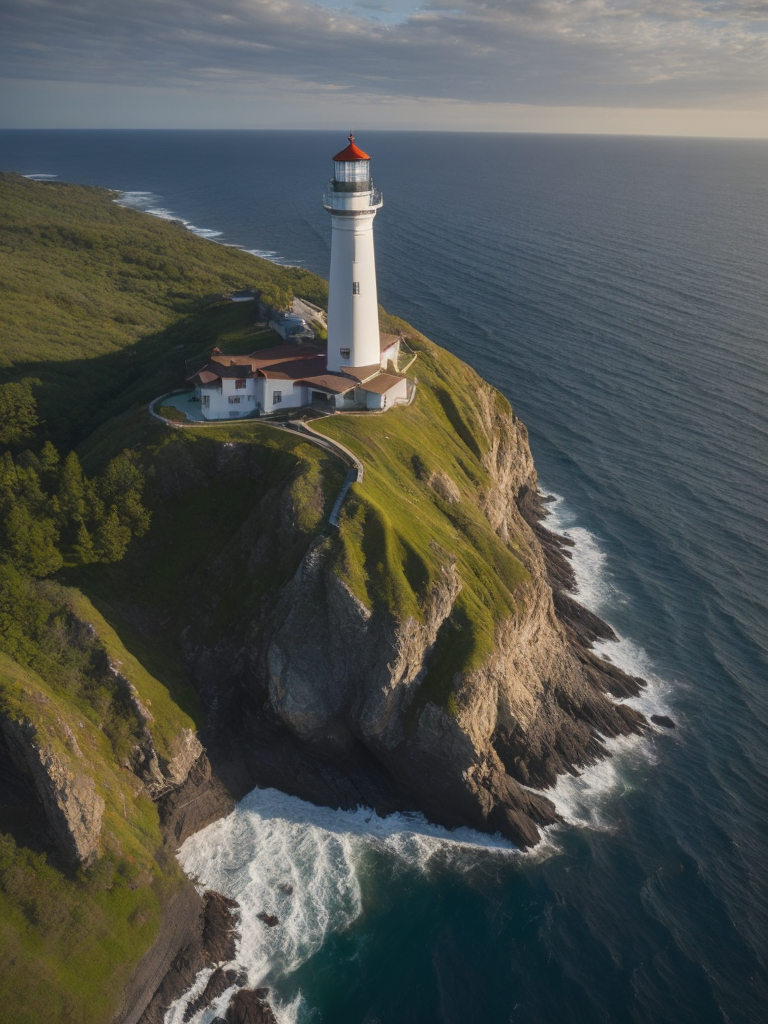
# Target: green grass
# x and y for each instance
(102, 304)
(398, 534)
(71, 940)
(235, 508)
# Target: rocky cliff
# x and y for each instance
(341, 673)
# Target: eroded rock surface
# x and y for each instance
(58, 772)
(542, 704)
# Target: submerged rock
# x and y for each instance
(664, 721)
(269, 919)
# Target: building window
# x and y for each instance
(277, 397)
(344, 353)
(355, 287)
(206, 401)
(251, 398)
(240, 384)
(234, 399)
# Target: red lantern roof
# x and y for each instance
(352, 152)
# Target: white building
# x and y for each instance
(360, 368)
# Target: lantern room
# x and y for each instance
(351, 169)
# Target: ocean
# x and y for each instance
(615, 290)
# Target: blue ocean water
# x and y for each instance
(615, 290)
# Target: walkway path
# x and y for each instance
(309, 311)
(356, 470)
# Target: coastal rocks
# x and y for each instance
(57, 771)
(250, 1006)
(331, 660)
(196, 933)
(664, 721)
(195, 803)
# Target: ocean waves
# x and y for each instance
(307, 866)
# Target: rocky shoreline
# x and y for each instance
(200, 931)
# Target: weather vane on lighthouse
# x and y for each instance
(353, 309)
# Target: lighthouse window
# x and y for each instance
(351, 170)
(344, 353)
(355, 287)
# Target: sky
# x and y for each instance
(661, 67)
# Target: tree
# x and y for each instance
(32, 542)
(112, 538)
(121, 487)
(85, 549)
(18, 411)
(73, 492)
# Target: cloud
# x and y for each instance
(603, 52)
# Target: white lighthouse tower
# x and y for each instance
(353, 312)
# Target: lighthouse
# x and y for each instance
(353, 311)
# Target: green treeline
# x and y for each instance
(51, 513)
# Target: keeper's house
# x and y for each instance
(290, 376)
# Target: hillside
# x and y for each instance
(424, 654)
(100, 303)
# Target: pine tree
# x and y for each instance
(73, 493)
(112, 538)
(32, 542)
(18, 411)
(85, 549)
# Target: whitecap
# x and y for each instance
(149, 202)
(281, 856)
(41, 177)
(585, 799)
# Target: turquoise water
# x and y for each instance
(615, 290)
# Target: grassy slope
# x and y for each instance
(70, 941)
(103, 306)
(398, 529)
(97, 297)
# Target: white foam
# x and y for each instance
(148, 202)
(41, 177)
(596, 589)
(272, 840)
(585, 800)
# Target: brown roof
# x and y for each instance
(233, 370)
(385, 340)
(286, 362)
(329, 382)
(293, 369)
(381, 384)
(361, 373)
(204, 377)
(283, 354)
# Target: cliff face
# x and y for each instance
(86, 737)
(340, 672)
(63, 785)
